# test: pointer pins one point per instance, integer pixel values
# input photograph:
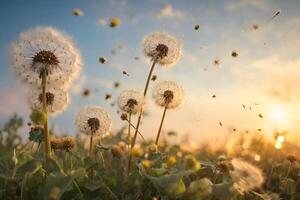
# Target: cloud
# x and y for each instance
(168, 11)
(239, 4)
(13, 100)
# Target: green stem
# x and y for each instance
(91, 156)
(129, 135)
(140, 114)
(161, 124)
(46, 131)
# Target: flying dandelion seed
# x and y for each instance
(56, 99)
(153, 78)
(255, 27)
(86, 92)
(278, 12)
(45, 49)
(115, 22)
(214, 96)
(260, 115)
(220, 123)
(234, 54)
(216, 62)
(102, 60)
(196, 27)
(125, 73)
(117, 84)
(245, 176)
(108, 96)
(77, 12)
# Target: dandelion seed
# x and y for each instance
(130, 101)
(116, 84)
(56, 99)
(86, 92)
(45, 49)
(220, 123)
(114, 22)
(214, 96)
(77, 12)
(196, 27)
(234, 54)
(102, 60)
(125, 73)
(255, 27)
(245, 176)
(278, 12)
(107, 96)
(93, 120)
(216, 62)
(153, 78)
(260, 115)
(162, 48)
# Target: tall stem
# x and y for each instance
(161, 124)
(91, 156)
(129, 135)
(140, 114)
(142, 108)
(91, 147)
(46, 131)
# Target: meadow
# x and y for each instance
(36, 162)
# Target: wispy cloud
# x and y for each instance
(240, 4)
(168, 11)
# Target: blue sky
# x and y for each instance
(264, 73)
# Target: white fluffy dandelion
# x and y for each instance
(45, 49)
(168, 93)
(56, 99)
(93, 120)
(245, 176)
(162, 48)
(130, 101)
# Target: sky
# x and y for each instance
(258, 89)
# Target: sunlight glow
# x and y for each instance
(279, 141)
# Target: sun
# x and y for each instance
(278, 113)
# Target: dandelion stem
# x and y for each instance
(142, 108)
(140, 114)
(91, 156)
(46, 132)
(161, 124)
(129, 135)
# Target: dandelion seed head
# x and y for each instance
(45, 49)
(130, 101)
(93, 120)
(168, 93)
(162, 48)
(57, 99)
(245, 176)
